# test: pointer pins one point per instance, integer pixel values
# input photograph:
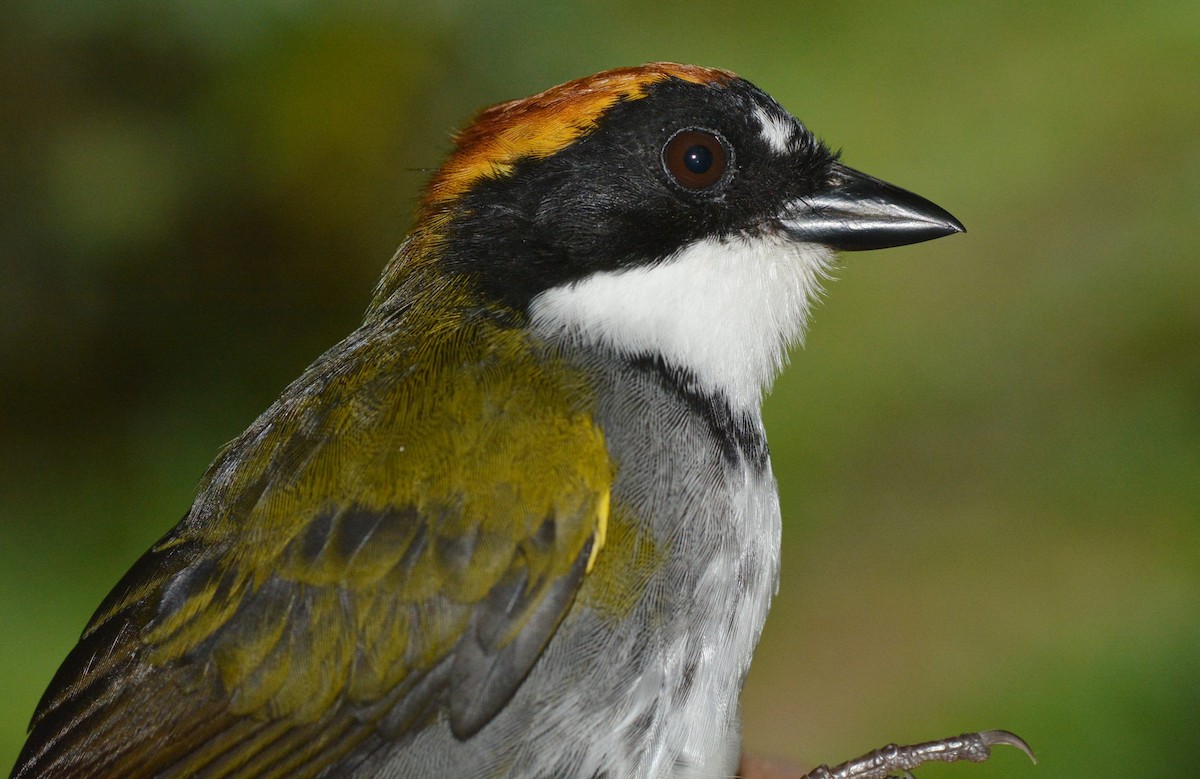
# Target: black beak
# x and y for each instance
(855, 211)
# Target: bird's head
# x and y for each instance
(664, 210)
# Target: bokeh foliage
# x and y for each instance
(989, 450)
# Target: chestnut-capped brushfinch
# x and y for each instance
(522, 521)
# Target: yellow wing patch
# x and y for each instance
(601, 528)
(546, 123)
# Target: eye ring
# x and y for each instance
(696, 159)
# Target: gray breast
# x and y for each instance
(697, 473)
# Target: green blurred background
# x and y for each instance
(989, 450)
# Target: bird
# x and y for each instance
(522, 521)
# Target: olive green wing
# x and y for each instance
(394, 541)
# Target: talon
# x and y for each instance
(993, 737)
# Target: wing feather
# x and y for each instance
(371, 555)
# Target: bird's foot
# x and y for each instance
(894, 760)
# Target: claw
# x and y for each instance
(993, 737)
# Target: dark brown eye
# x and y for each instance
(695, 158)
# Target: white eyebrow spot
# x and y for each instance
(777, 130)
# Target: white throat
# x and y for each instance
(726, 309)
